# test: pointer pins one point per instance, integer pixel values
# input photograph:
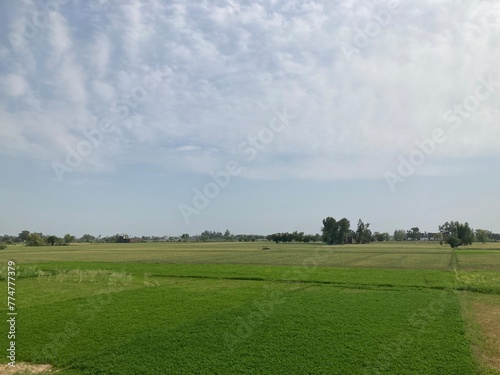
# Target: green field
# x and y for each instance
(233, 308)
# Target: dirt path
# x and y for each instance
(25, 369)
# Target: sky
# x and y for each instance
(171, 117)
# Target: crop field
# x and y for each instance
(383, 255)
(234, 308)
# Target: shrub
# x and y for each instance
(35, 239)
(3, 245)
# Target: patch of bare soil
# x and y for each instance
(487, 316)
(22, 368)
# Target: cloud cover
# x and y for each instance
(225, 67)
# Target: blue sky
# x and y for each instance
(115, 116)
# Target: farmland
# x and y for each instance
(230, 308)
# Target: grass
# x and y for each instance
(300, 338)
(215, 325)
(380, 255)
(234, 308)
(479, 261)
(340, 276)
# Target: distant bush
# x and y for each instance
(3, 245)
(35, 239)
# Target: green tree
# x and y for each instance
(111, 239)
(453, 241)
(414, 234)
(381, 237)
(344, 226)
(204, 236)
(23, 236)
(456, 234)
(363, 234)
(309, 238)
(54, 240)
(87, 238)
(399, 235)
(68, 238)
(495, 236)
(35, 239)
(9, 240)
(3, 246)
(330, 230)
(482, 235)
(298, 236)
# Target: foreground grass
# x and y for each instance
(183, 325)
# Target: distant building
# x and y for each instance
(123, 239)
(428, 236)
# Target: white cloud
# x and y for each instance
(103, 91)
(71, 82)
(99, 54)
(188, 148)
(14, 85)
(60, 39)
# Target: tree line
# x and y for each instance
(333, 232)
(293, 237)
(39, 239)
(36, 239)
(453, 233)
(339, 232)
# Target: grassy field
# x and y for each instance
(231, 308)
(390, 255)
